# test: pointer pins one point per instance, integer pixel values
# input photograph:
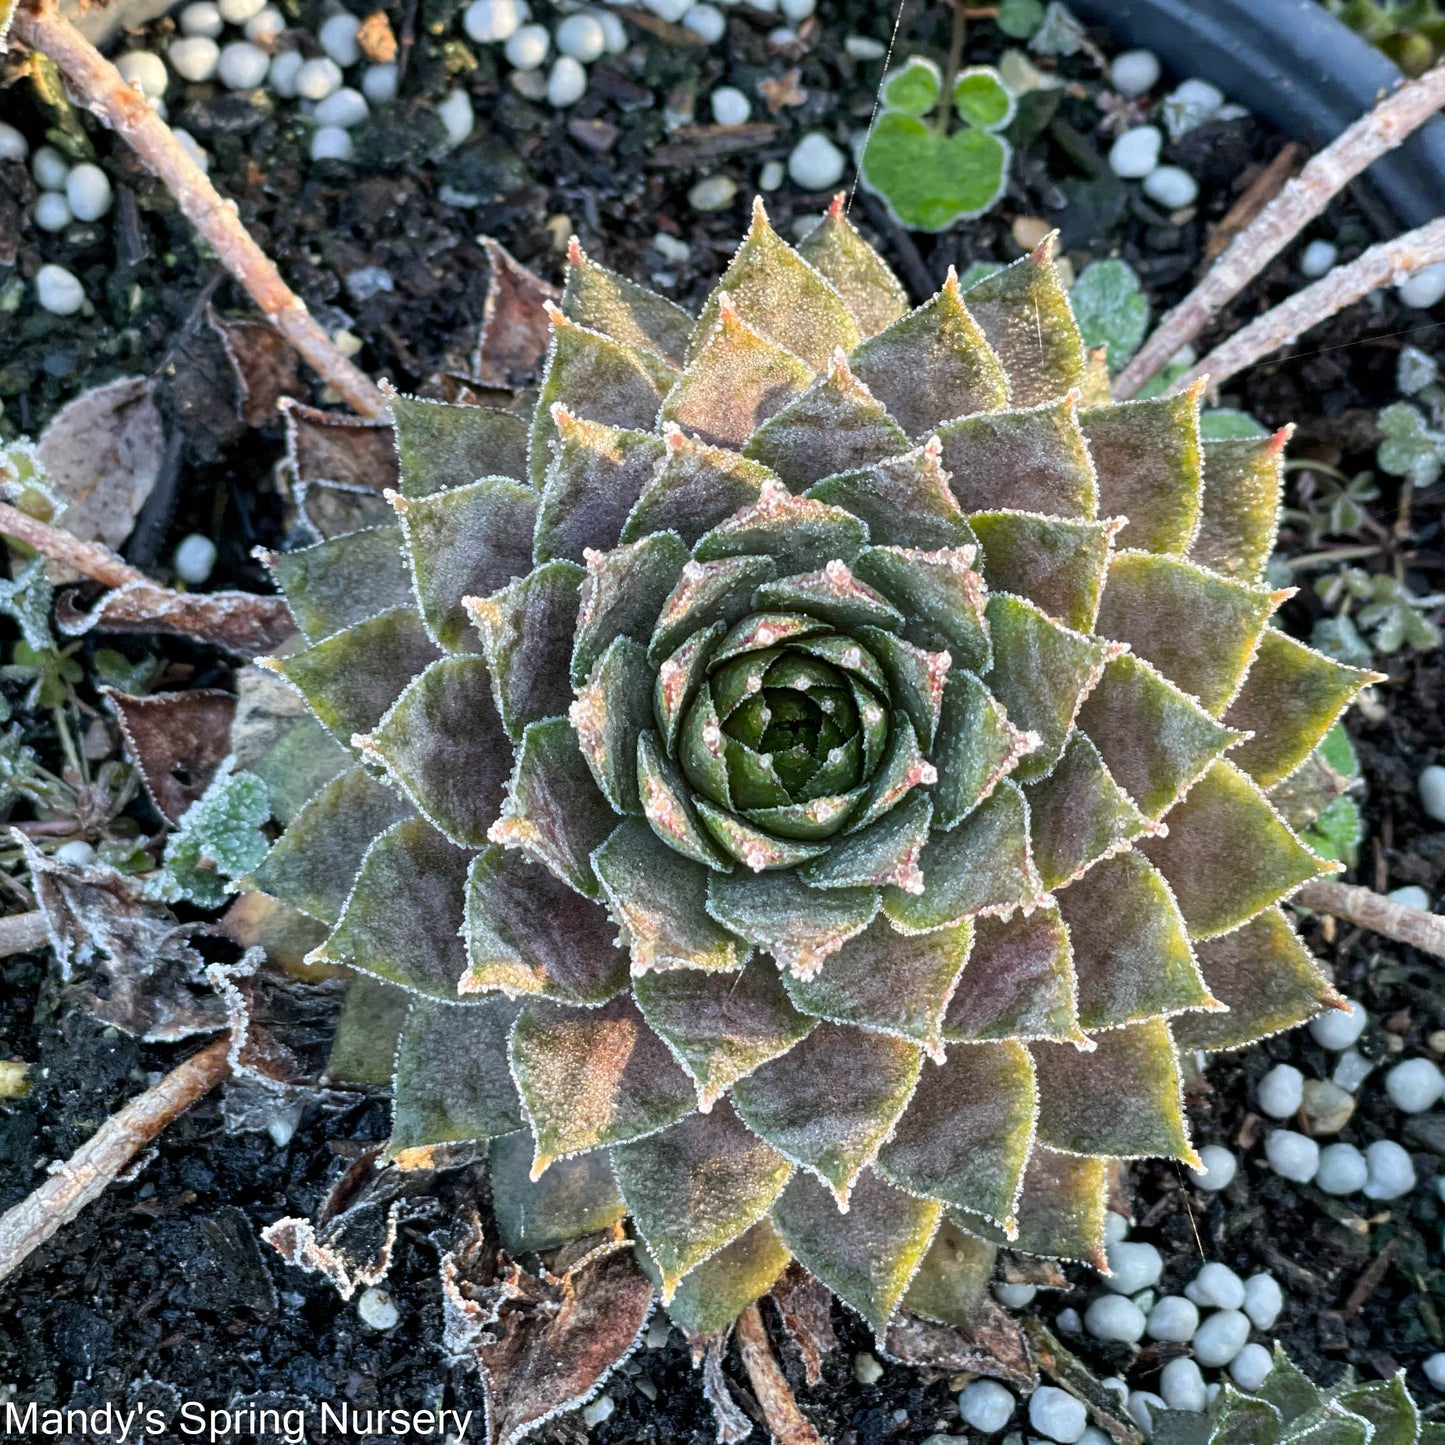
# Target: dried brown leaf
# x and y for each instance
(242, 623)
(176, 741)
(266, 367)
(732, 1421)
(330, 446)
(993, 1345)
(515, 331)
(281, 1027)
(805, 1305)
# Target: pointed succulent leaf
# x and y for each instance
(695, 1187)
(595, 476)
(903, 768)
(751, 846)
(1057, 563)
(622, 595)
(341, 582)
(452, 1083)
(706, 593)
(526, 631)
(798, 534)
(402, 922)
(574, 1198)
(1149, 464)
(735, 382)
(312, 865)
(1239, 515)
(610, 713)
(1034, 460)
(798, 925)
(837, 425)
(984, 865)
(1042, 672)
(590, 1078)
(1019, 983)
(1132, 958)
(695, 487)
(604, 301)
(443, 743)
(679, 677)
(867, 1256)
(598, 379)
(1265, 976)
(976, 747)
(916, 676)
(1290, 700)
(1199, 630)
(1388, 1407)
(884, 852)
(659, 899)
(716, 1292)
(529, 933)
(553, 808)
(1123, 1099)
(440, 446)
(721, 1026)
(968, 1130)
(1154, 739)
(774, 290)
(905, 500)
(1228, 854)
(363, 1050)
(1062, 1207)
(668, 805)
(952, 1282)
(940, 595)
(862, 278)
(832, 595)
(831, 1100)
(763, 630)
(350, 678)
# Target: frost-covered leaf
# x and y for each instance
(219, 838)
(1111, 309)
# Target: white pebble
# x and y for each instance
(330, 143)
(796, 10)
(285, 67)
(1134, 71)
(49, 168)
(672, 10)
(1431, 784)
(1414, 1086)
(78, 853)
(1142, 1404)
(730, 106)
(1411, 895)
(1352, 1070)
(345, 107)
(378, 83)
(194, 57)
(1263, 1300)
(1136, 152)
(316, 79)
(527, 48)
(1171, 187)
(598, 1410)
(378, 1310)
(1173, 1318)
(581, 37)
(1392, 1171)
(782, 37)
(864, 47)
(1421, 291)
(1068, 1319)
(144, 70)
(1250, 1366)
(867, 1369)
(490, 21)
(1292, 1156)
(238, 12)
(1216, 1286)
(243, 66)
(670, 248)
(457, 115)
(1221, 1337)
(1116, 1227)
(1094, 1436)
(707, 22)
(1015, 1296)
(264, 26)
(712, 193)
(1339, 1028)
(1317, 258)
(531, 84)
(52, 211)
(192, 147)
(614, 30)
(816, 163)
(986, 1405)
(58, 291)
(194, 558)
(338, 38)
(1132, 1266)
(13, 145)
(87, 189)
(1113, 1317)
(201, 17)
(567, 83)
(1057, 1415)
(1198, 94)
(1220, 1167)
(1181, 1385)
(1434, 1368)
(771, 176)
(1281, 1091)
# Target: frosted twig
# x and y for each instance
(785, 1420)
(1381, 265)
(98, 86)
(20, 932)
(1368, 909)
(1297, 204)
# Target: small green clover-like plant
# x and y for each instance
(1410, 32)
(1412, 448)
(1019, 18)
(1374, 612)
(1111, 309)
(23, 481)
(928, 174)
(816, 714)
(1289, 1407)
(1332, 503)
(1339, 828)
(219, 839)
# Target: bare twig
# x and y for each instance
(98, 86)
(1256, 196)
(1368, 909)
(90, 1171)
(1301, 200)
(785, 1420)
(90, 559)
(1390, 261)
(20, 932)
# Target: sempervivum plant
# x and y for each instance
(810, 776)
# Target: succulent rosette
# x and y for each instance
(814, 782)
